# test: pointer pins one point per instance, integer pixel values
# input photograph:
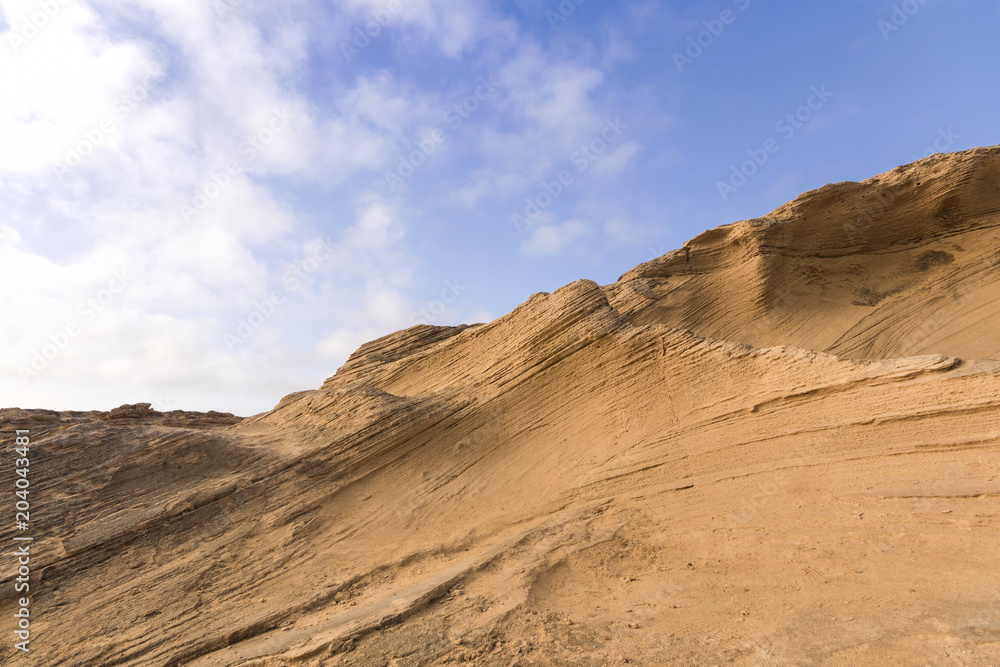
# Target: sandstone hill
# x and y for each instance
(778, 445)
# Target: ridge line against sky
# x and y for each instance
(209, 205)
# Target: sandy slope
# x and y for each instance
(775, 446)
(905, 263)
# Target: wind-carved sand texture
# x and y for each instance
(777, 445)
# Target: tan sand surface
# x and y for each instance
(777, 445)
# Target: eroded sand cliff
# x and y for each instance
(777, 445)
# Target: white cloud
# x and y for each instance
(549, 110)
(453, 27)
(37, 123)
(553, 239)
(615, 161)
(488, 182)
(620, 231)
(207, 246)
(194, 275)
(375, 228)
(340, 343)
(554, 97)
(161, 334)
(617, 47)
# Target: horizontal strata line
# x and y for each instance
(978, 406)
(705, 479)
(677, 438)
(869, 421)
(960, 496)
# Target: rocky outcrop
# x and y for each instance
(775, 445)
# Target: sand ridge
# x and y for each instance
(776, 445)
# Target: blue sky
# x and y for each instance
(208, 205)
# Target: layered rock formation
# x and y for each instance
(776, 445)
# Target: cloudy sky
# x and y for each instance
(208, 204)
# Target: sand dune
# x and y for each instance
(777, 445)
